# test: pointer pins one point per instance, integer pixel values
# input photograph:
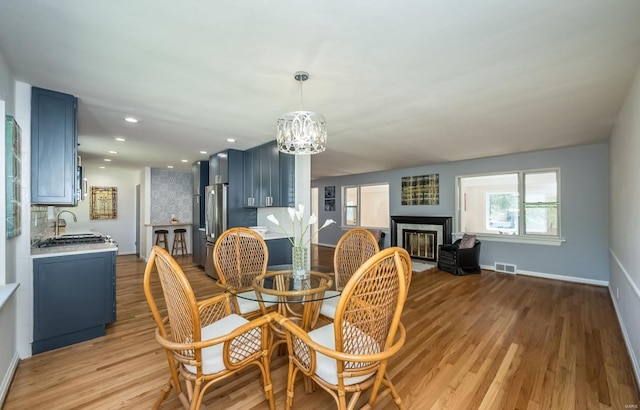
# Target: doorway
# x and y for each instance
(138, 220)
(314, 210)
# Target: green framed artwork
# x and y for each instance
(421, 190)
(12, 163)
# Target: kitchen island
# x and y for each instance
(150, 236)
(74, 293)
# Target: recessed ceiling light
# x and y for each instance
(231, 140)
(103, 167)
(169, 166)
(107, 160)
(185, 160)
(113, 152)
(121, 139)
(203, 152)
(131, 120)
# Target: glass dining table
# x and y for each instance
(299, 300)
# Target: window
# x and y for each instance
(366, 205)
(519, 204)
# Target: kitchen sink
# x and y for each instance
(73, 239)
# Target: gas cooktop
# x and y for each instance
(73, 239)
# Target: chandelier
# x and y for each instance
(301, 132)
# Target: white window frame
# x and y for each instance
(358, 206)
(522, 237)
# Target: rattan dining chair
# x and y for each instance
(353, 249)
(204, 341)
(351, 354)
(239, 256)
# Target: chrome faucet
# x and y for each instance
(57, 221)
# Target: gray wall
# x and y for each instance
(625, 219)
(584, 208)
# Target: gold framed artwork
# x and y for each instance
(421, 190)
(103, 203)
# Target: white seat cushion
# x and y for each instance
(329, 305)
(247, 301)
(326, 367)
(212, 361)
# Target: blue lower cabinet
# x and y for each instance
(279, 251)
(74, 297)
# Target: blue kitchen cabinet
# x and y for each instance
(74, 297)
(279, 251)
(269, 177)
(227, 167)
(54, 148)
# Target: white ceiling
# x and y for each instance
(400, 83)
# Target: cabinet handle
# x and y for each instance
(251, 201)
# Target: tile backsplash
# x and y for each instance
(41, 226)
(171, 194)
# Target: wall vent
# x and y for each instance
(505, 267)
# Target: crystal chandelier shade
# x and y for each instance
(301, 132)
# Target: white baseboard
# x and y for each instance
(555, 277)
(625, 334)
(6, 380)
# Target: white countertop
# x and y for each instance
(274, 235)
(169, 224)
(73, 249)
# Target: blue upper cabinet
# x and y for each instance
(54, 148)
(269, 177)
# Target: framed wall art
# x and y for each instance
(421, 190)
(329, 205)
(103, 203)
(12, 163)
(330, 191)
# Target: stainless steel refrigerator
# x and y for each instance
(215, 221)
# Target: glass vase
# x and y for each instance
(299, 262)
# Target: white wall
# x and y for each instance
(624, 216)
(8, 248)
(123, 228)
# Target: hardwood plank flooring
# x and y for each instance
(488, 341)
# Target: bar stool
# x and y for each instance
(179, 242)
(161, 238)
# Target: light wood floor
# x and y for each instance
(489, 341)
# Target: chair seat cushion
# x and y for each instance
(330, 304)
(326, 367)
(212, 361)
(247, 301)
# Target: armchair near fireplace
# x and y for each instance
(459, 260)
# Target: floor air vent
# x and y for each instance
(505, 267)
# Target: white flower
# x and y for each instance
(273, 219)
(299, 228)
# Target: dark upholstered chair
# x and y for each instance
(453, 259)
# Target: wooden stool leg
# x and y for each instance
(162, 240)
(179, 244)
(173, 245)
(183, 244)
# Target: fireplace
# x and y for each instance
(421, 235)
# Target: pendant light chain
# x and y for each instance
(301, 80)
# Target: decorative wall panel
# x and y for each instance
(171, 194)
